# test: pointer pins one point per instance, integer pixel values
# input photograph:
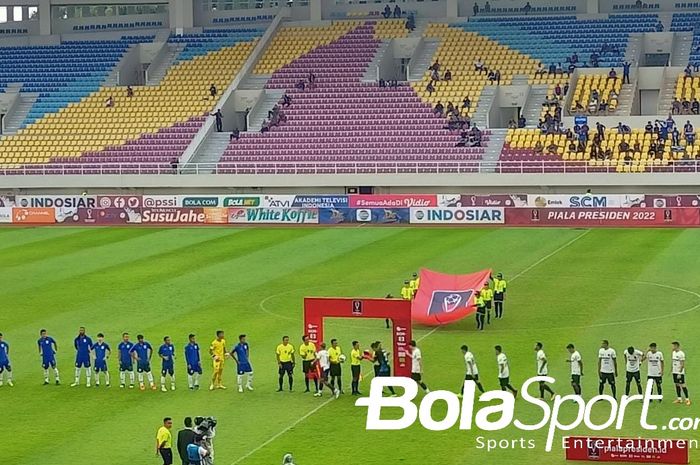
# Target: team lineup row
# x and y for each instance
(323, 366)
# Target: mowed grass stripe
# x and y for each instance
(14, 237)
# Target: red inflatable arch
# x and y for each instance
(397, 310)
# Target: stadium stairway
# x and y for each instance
(422, 59)
(259, 113)
(157, 73)
(343, 124)
(682, 48)
(532, 110)
(372, 70)
(208, 154)
(14, 120)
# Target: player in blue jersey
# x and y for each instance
(194, 363)
(241, 355)
(5, 366)
(126, 363)
(83, 346)
(167, 356)
(102, 352)
(47, 350)
(142, 353)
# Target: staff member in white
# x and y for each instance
(472, 370)
(607, 367)
(576, 368)
(417, 366)
(634, 358)
(542, 370)
(324, 362)
(655, 366)
(678, 369)
(504, 371)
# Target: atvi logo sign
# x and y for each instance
(495, 410)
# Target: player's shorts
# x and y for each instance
(504, 382)
(306, 366)
(126, 366)
(5, 366)
(82, 362)
(355, 369)
(607, 378)
(218, 365)
(633, 375)
(100, 365)
(192, 369)
(498, 296)
(576, 379)
(417, 377)
(244, 368)
(143, 367)
(678, 379)
(335, 369)
(488, 304)
(167, 369)
(657, 379)
(325, 373)
(46, 363)
(474, 378)
(286, 367)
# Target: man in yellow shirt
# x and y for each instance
(355, 360)
(164, 441)
(414, 283)
(406, 291)
(218, 353)
(336, 357)
(285, 362)
(499, 293)
(307, 351)
(487, 295)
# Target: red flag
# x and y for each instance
(444, 298)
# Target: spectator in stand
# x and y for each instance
(638, 5)
(652, 150)
(675, 137)
(487, 7)
(476, 9)
(538, 148)
(450, 109)
(626, 72)
(541, 71)
(265, 127)
(608, 154)
(382, 83)
(623, 128)
(435, 66)
(411, 22)
(558, 91)
(466, 103)
(439, 109)
(448, 75)
(676, 106)
(273, 112)
(219, 120)
(613, 94)
(512, 124)
(578, 108)
(572, 148)
(689, 133)
(659, 27)
(434, 75)
(566, 88)
(695, 106)
(603, 107)
(670, 122)
(696, 65)
(612, 74)
(570, 69)
(286, 100)
(521, 122)
(527, 8)
(686, 106)
(430, 88)
(595, 60)
(637, 148)
(479, 66)
(649, 128)
(497, 77)
(109, 103)
(559, 70)
(387, 12)
(491, 76)
(212, 90)
(301, 85)
(174, 163)
(129, 91)
(624, 146)
(600, 130)
(552, 149)
(312, 80)
(397, 11)
(552, 69)
(687, 72)
(235, 134)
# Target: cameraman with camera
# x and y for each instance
(205, 431)
(196, 453)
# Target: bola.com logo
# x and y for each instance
(467, 415)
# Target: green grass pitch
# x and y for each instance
(629, 286)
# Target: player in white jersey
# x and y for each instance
(655, 366)
(542, 370)
(576, 368)
(678, 370)
(633, 359)
(417, 366)
(504, 371)
(324, 363)
(472, 373)
(607, 367)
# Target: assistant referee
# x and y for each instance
(164, 441)
(307, 351)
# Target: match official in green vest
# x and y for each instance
(480, 310)
(487, 295)
(499, 293)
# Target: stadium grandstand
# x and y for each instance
(443, 88)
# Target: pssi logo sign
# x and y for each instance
(448, 301)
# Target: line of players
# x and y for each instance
(607, 369)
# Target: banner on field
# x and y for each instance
(496, 200)
(393, 200)
(7, 201)
(305, 201)
(458, 215)
(363, 215)
(99, 216)
(671, 201)
(273, 215)
(585, 201)
(638, 450)
(5, 215)
(200, 201)
(184, 216)
(119, 201)
(56, 201)
(446, 298)
(603, 217)
(33, 215)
